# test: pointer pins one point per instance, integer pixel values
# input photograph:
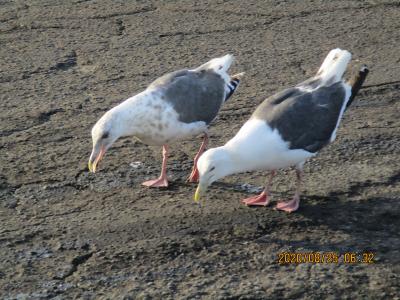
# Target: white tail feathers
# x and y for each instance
(219, 65)
(334, 65)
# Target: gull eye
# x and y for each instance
(105, 135)
(212, 169)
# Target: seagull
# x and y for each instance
(285, 130)
(176, 106)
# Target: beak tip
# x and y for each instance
(197, 195)
(196, 198)
(91, 167)
(92, 164)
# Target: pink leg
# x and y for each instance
(162, 180)
(194, 176)
(293, 204)
(263, 199)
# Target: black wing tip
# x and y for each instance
(233, 84)
(356, 82)
(364, 69)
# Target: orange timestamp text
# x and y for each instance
(285, 258)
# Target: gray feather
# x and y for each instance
(195, 95)
(304, 119)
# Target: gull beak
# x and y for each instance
(91, 167)
(94, 159)
(200, 191)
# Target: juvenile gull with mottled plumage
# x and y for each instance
(286, 130)
(176, 106)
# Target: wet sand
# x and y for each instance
(68, 234)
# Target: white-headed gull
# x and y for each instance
(176, 106)
(286, 129)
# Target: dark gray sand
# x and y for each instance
(69, 234)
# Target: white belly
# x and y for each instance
(261, 148)
(151, 119)
(155, 122)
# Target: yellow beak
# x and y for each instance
(200, 191)
(93, 165)
(197, 194)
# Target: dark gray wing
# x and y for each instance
(304, 119)
(195, 95)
